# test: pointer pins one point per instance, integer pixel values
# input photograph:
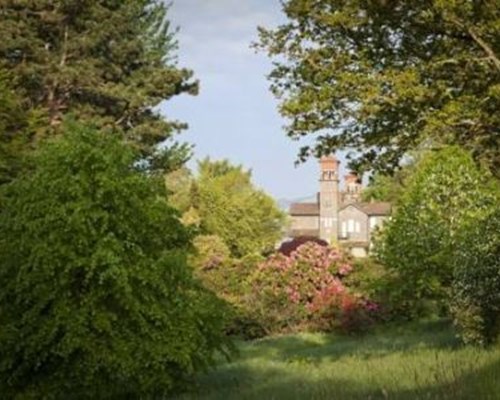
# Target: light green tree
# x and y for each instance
(476, 284)
(446, 193)
(229, 206)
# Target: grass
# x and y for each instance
(418, 361)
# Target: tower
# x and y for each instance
(353, 188)
(329, 199)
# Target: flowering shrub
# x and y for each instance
(290, 246)
(306, 291)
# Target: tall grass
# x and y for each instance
(419, 361)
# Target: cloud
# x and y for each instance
(227, 27)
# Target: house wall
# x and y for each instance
(359, 252)
(304, 222)
(355, 223)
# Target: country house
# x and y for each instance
(339, 216)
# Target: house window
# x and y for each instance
(344, 229)
(350, 226)
(373, 222)
(327, 222)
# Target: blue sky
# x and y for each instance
(235, 116)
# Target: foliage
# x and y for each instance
(96, 296)
(228, 277)
(384, 77)
(476, 285)
(13, 122)
(229, 206)
(211, 252)
(387, 188)
(304, 290)
(108, 62)
(178, 183)
(446, 192)
(288, 247)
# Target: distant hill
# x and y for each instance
(284, 204)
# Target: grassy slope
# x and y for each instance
(420, 361)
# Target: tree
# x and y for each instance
(109, 62)
(446, 193)
(476, 284)
(384, 188)
(96, 297)
(383, 77)
(229, 206)
(13, 123)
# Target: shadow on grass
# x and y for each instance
(420, 359)
(244, 383)
(317, 347)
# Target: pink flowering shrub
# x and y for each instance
(306, 290)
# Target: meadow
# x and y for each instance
(415, 361)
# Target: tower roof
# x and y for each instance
(352, 177)
(329, 163)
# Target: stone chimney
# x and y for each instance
(329, 199)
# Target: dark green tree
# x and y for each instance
(96, 297)
(111, 62)
(383, 77)
(13, 126)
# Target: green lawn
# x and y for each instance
(419, 361)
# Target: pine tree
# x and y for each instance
(111, 62)
(13, 124)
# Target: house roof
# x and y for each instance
(312, 209)
(375, 208)
(304, 209)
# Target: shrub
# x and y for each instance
(302, 291)
(354, 314)
(211, 252)
(373, 281)
(288, 247)
(228, 277)
(476, 286)
(96, 297)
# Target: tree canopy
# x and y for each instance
(96, 296)
(223, 201)
(444, 197)
(13, 125)
(109, 62)
(383, 77)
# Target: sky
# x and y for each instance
(235, 116)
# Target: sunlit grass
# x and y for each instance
(419, 361)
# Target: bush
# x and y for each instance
(211, 252)
(96, 297)
(288, 247)
(228, 277)
(476, 286)
(302, 291)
